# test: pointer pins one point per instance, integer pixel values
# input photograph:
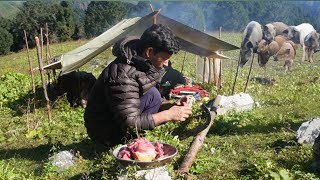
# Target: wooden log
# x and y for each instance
(198, 140)
(42, 79)
(31, 73)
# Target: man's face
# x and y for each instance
(160, 60)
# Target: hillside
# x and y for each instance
(8, 9)
(258, 144)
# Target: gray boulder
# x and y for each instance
(308, 131)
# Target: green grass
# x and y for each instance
(258, 144)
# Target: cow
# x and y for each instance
(251, 36)
(77, 86)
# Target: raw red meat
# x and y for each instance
(142, 150)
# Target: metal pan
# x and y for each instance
(169, 151)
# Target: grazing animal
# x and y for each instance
(266, 50)
(304, 34)
(279, 27)
(279, 48)
(311, 42)
(77, 85)
(250, 38)
(288, 53)
(269, 32)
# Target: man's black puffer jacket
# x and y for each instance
(114, 101)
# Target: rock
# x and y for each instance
(238, 103)
(63, 160)
(159, 173)
(308, 131)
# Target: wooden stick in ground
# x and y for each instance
(210, 69)
(42, 78)
(204, 70)
(220, 72)
(47, 54)
(198, 140)
(184, 59)
(236, 77)
(31, 73)
(248, 77)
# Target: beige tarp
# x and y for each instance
(191, 40)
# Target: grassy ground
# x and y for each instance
(253, 145)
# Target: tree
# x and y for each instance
(65, 26)
(100, 15)
(230, 15)
(6, 39)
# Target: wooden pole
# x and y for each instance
(198, 140)
(152, 10)
(220, 72)
(248, 77)
(47, 54)
(210, 69)
(204, 70)
(216, 71)
(31, 73)
(184, 59)
(236, 77)
(42, 78)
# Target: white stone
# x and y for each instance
(308, 131)
(159, 173)
(238, 103)
(63, 160)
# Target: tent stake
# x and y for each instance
(42, 78)
(31, 73)
(245, 87)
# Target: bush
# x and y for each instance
(6, 41)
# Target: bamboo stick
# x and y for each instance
(42, 78)
(31, 73)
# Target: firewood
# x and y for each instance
(198, 140)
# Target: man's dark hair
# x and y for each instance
(160, 38)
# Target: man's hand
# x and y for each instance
(179, 113)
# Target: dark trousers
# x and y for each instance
(150, 102)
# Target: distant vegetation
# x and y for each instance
(73, 20)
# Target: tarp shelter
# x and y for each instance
(191, 40)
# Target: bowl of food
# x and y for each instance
(145, 154)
